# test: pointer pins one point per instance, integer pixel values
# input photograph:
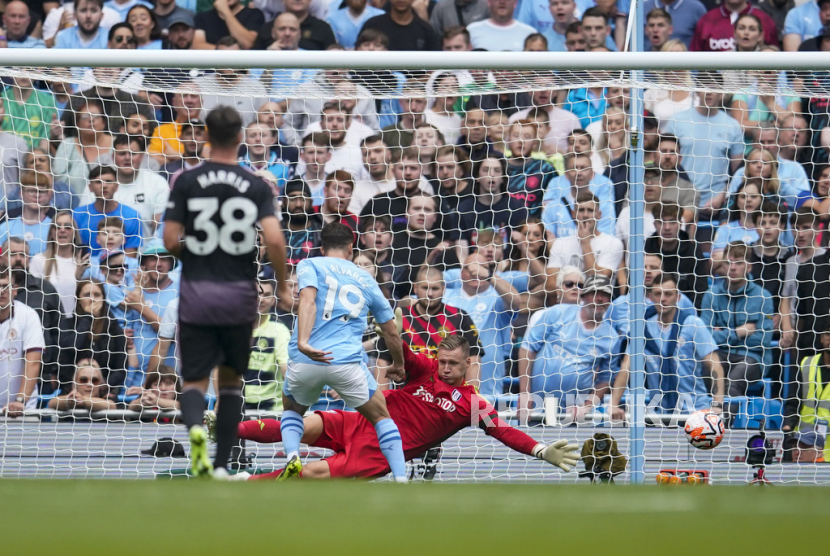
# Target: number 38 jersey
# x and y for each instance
(345, 295)
(219, 206)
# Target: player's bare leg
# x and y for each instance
(292, 429)
(389, 438)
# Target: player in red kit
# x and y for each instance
(435, 404)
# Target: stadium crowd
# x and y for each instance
(499, 215)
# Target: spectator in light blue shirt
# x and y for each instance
(567, 350)
(347, 22)
(16, 20)
(33, 221)
(559, 202)
(490, 301)
(258, 155)
(680, 354)
(587, 104)
(712, 145)
(149, 300)
(805, 22)
(684, 16)
(545, 15)
(88, 32)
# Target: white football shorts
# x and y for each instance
(352, 381)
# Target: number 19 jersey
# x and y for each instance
(345, 295)
(219, 206)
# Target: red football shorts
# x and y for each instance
(354, 439)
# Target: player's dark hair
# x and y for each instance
(456, 341)
(224, 124)
(336, 236)
(98, 171)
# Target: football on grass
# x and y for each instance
(704, 429)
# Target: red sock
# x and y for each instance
(264, 431)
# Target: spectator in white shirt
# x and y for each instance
(501, 31)
(21, 336)
(589, 249)
(376, 176)
(344, 138)
(442, 114)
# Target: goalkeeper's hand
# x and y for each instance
(560, 453)
(398, 323)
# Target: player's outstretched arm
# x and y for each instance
(560, 454)
(306, 316)
(275, 246)
(390, 331)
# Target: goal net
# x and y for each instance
(527, 210)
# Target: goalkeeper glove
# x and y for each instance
(560, 453)
(398, 323)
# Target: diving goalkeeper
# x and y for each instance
(435, 404)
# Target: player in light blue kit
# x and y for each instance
(326, 347)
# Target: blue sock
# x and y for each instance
(291, 428)
(391, 446)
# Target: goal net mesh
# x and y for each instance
(493, 204)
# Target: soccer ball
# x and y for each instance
(704, 429)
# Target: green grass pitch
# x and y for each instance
(68, 517)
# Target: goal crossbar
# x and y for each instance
(573, 61)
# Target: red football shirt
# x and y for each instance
(427, 410)
(715, 32)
